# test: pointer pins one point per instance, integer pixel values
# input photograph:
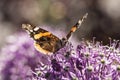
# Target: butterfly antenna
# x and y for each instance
(76, 26)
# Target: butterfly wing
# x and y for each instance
(44, 41)
(77, 25)
(47, 42)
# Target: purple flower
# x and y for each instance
(90, 61)
(19, 58)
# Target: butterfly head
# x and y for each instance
(28, 27)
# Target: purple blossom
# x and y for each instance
(89, 61)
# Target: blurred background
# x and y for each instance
(103, 20)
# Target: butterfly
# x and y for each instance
(46, 42)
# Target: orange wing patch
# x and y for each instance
(37, 36)
(73, 29)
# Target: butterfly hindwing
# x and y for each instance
(47, 41)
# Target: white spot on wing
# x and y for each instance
(81, 20)
(31, 30)
(36, 28)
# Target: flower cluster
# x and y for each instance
(89, 61)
